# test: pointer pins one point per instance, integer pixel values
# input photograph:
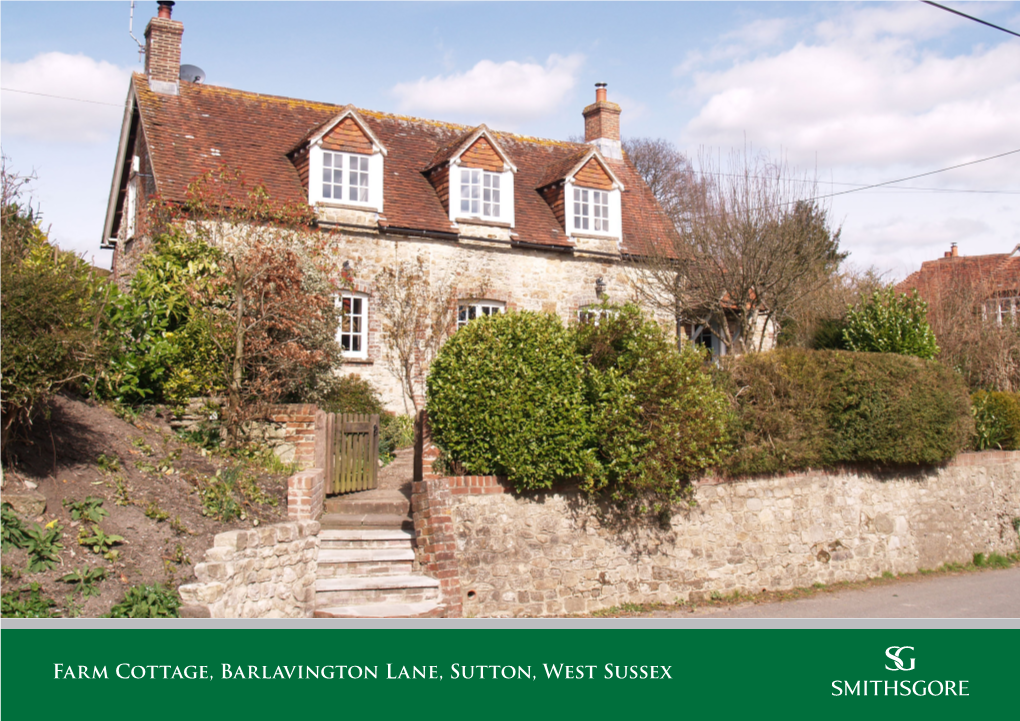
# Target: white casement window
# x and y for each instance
(591, 210)
(468, 310)
(352, 334)
(1003, 309)
(479, 193)
(594, 313)
(132, 208)
(345, 177)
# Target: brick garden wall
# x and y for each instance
(557, 552)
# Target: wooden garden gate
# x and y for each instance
(353, 457)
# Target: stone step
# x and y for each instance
(333, 563)
(380, 502)
(423, 609)
(392, 521)
(331, 539)
(361, 590)
(365, 555)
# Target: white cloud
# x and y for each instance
(68, 76)
(502, 94)
(865, 98)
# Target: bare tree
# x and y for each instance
(750, 244)
(418, 314)
(976, 329)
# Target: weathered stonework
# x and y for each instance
(266, 572)
(289, 429)
(558, 553)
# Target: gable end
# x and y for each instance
(347, 137)
(592, 175)
(482, 155)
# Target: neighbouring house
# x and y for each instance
(514, 222)
(990, 284)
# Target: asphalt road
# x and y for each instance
(984, 594)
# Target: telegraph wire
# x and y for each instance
(969, 17)
(64, 97)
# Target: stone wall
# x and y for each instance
(557, 552)
(266, 572)
(289, 429)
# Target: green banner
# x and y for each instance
(498, 673)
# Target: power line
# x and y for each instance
(919, 175)
(64, 97)
(969, 17)
(862, 186)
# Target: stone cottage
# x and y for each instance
(514, 222)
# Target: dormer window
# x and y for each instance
(345, 177)
(342, 163)
(479, 193)
(591, 210)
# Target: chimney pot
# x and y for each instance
(954, 251)
(600, 92)
(166, 8)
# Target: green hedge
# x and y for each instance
(996, 420)
(505, 397)
(797, 409)
(656, 418)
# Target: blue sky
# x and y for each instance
(849, 92)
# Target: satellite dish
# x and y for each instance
(192, 74)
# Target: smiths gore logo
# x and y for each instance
(894, 652)
(901, 687)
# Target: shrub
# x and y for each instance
(505, 396)
(799, 409)
(891, 323)
(656, 418)
(145, 601)
(996, 420)
(352, 394)
(52, 308)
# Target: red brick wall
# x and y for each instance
(298, 421)
(163, 49)
(602, 120)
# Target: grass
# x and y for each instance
(980, 562)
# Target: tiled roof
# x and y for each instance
(206, 127)
(997, 272)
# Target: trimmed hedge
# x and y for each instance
(656, 418)
(797, 409)
(505, 397)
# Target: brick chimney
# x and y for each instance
(602, 124)
(953, 251)
(163, 50)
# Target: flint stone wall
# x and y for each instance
(558, 553)
(266, 572)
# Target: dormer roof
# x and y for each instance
(318, 133)
(570, 166)
(452, 151)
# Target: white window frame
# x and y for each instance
(471, 309)
(594, 313)
(609, 211)
(505, 213)
(316, 166)
(483, 197)
(1002, 308)
(353, 326)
